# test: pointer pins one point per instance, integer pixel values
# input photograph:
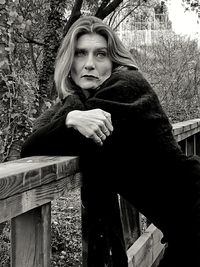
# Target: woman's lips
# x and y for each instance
(90, 77)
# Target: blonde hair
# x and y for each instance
(118, 54)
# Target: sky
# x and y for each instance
(183, 22)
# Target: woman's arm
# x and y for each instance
(137, 114)
(70, 134)
(52, 139)
(95, 124)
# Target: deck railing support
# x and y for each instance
(28, 185)
(31, 238)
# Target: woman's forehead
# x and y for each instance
(91, 39)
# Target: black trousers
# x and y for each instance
(170, 200)
(102, 221)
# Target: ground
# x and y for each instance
(66, 233)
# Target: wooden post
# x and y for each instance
(130, 222)
(198, 144)
(190, 145)
(186, 146)
(30, 238)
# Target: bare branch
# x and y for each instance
(126, 15)
(116, 13)
(27, 40)
(75, 14)
(102, 7)
(103, 13)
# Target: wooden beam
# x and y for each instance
(25, 201)
(24, 174)
(31, 238)
(146, 248)
(183, 130)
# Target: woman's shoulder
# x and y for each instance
(125, 74)
(126, 83)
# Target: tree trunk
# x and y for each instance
(75, 14)
(104, 11)
(52, 42)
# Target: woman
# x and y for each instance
(109, 115)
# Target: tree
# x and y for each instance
(31, 32)
(192, 5)
(56, 26)
(52, 39)
(131, 11)
(172, 66)
(16, 107)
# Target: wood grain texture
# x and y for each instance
(25, 201)
(183, 130)
(25, 174)
(30, 238)
(130, 222)
(146, 249)
(28, 185)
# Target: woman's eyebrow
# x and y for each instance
(101, 48)
(80, 49)
(95, 48)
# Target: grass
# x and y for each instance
(65, 230)
(66, 240)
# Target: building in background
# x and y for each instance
(142, 25)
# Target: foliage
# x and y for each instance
(192, 6)
(5, 246)
(130, 11)
(18, 107)
(30, 33)
(18, 94)
(66, 233)
(173, 68)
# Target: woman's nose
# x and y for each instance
(89, 64)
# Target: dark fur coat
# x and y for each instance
(140, 160)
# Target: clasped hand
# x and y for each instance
(95, 124)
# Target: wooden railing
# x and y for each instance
(147, 250)
(27, 187)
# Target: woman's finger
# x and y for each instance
(97, 140)
(107, 127)
(108, 123)
(107, 115)
(105, 130)
(101, 135)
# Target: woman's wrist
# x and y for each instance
(70, 120)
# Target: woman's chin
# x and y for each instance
(88, 86)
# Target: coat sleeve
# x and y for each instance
(142, 159)
(137, 114)
(52, 139)
(51, 136)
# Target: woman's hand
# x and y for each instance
(95, 123)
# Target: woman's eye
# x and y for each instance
(101, 54)
(80, 53)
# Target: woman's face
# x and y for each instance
(91, 65)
